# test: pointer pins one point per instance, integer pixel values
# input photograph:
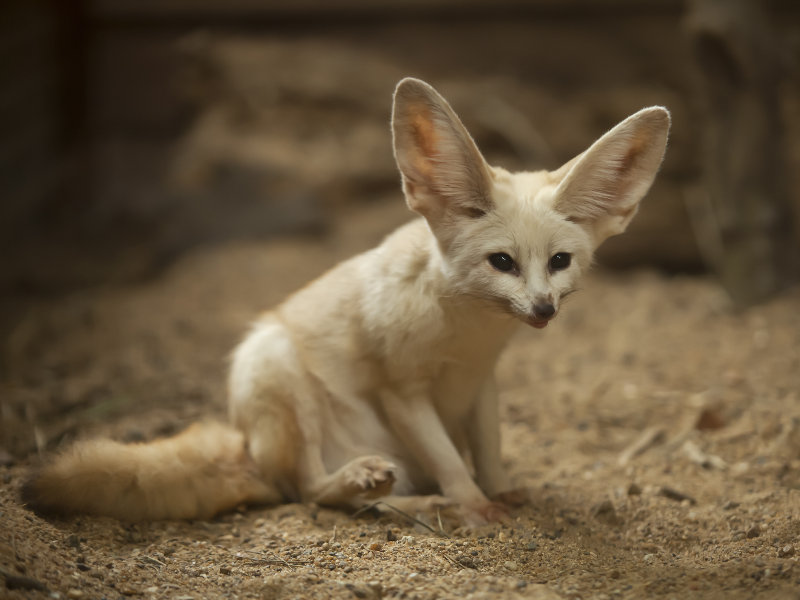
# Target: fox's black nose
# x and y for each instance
(543, 311)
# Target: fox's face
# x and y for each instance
(522, 255)
(519, 240)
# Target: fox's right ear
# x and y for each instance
(602, 187)
(442, 169)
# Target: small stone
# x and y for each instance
(753, 532)
(510, 565)
(358, 592)
(225, 571)
(730, 505)
(391, 536)
(74, 594)
(466, 561)
(634, 490)
(710, 419)
(676, 495)
(605, 512)
(376, 546)
(786, 552)
(531, 546)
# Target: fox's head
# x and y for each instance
(519, 240)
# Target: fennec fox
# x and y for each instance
(377, 378)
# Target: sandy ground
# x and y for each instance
(657, 432)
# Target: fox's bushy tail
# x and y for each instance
(196, 474)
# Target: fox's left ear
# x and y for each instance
(443, 171)
(602, 187)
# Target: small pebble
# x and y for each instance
(753, 532)
(786, 552)
(510, 565)
(676, 495)
(466, 561)
(605, 512)
(74, 594)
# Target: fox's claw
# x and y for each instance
(371, 476)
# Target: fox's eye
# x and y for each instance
(502, 262)
(560, 261)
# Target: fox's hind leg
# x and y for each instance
(279, 406)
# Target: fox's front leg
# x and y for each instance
(414, 420)
(483, 436)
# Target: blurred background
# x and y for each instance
(135, 130)
(169, 168)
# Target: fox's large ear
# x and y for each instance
(443, 171)
(602, 187)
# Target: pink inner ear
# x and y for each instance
(424, 133)
(637, 146)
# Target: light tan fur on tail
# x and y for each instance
(202, 471)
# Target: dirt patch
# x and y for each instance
(658, 434)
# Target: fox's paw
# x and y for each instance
(481, 514)
(434, 502)
(371, 476)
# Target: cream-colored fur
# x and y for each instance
(377, 378)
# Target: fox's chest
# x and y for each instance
(463, 364)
